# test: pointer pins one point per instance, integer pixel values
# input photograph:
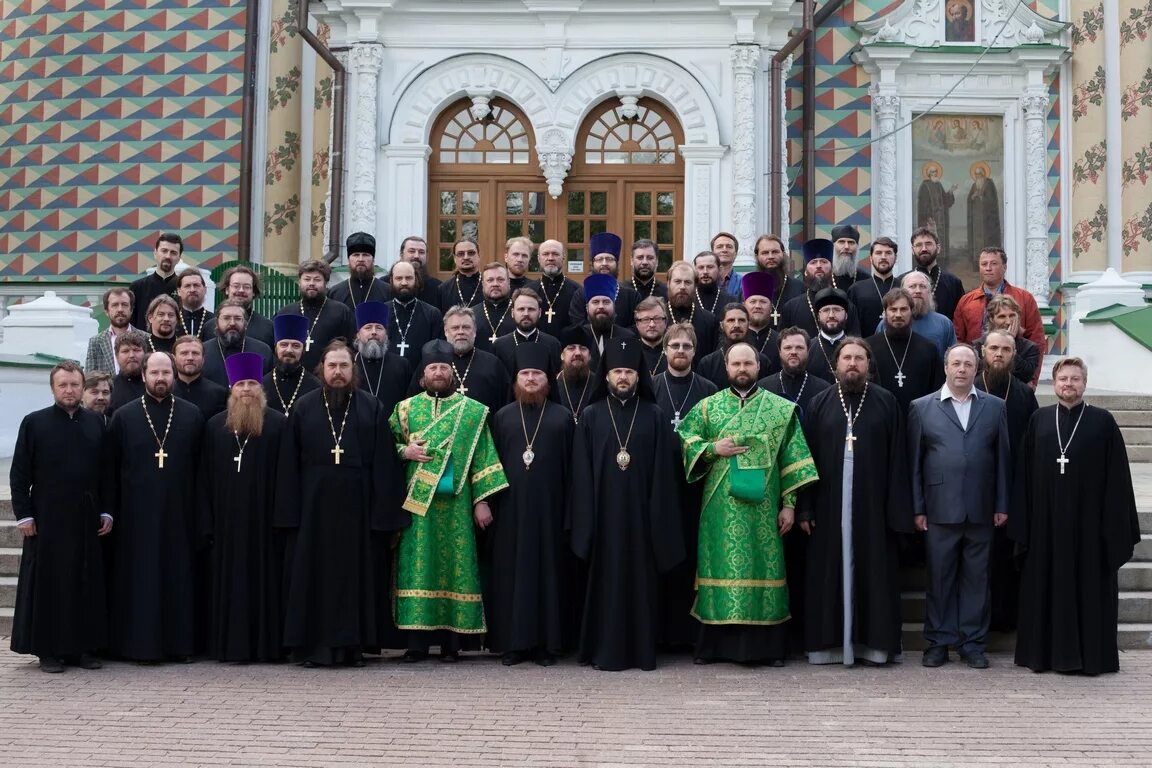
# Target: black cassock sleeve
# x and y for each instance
(20, 474)
(388, 486)
(664, 509)
(899, 502)
(286, 509)
(1120, 527)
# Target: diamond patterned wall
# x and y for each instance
(118, 119)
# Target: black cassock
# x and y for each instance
(283, 390)
(152, 594)
(715, 368)
(144, 290)
(592, 341)
(460, 290)
(125, 389)
(531, 588)
(351, 293)
(626, 527)
(56, 480)
(261, 329)
(505, 347)
(713, 300)
(800, 390)
(430, 293)
(208, 396)
(881, 508)
(1074, 530)
(654, 358)
(625, 304)
(488, 314)
(327, 319)
(867, 296)
(676, 395)
(214, 355)
(385, 379)
(196, 323)
(707, 329)
(153, 343)
(767, 343)
(821, 352)
(340, 518)
(651, 288)
(247, 563)
(799, 311)
(411, 325)
(556, 293)
(913, 356)
(1004, 581)
(574, 396)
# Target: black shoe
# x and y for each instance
(449, 657)
(975, 659)
(87, 662)
(545, 659)
(936, 656)
(49, 664)
(356, 661)
(700, 661)
(511, 659)
(776, 662)
(412, 657)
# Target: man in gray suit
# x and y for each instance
(960, 462)
(101, 355)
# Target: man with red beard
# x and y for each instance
(338, 492)
(238, 459)
(529, 596)
(682, 308)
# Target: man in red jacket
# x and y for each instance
(969, 318)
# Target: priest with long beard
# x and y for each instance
(572, 387)
(338, 492)
(288, 380)
(383, 373)
(817, 276)
(625, 513)
(904, 363)
(530, 586)
(239, 453)
(853, 515)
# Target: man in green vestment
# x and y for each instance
(452, 467)
(747, 446)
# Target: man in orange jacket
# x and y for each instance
(969, 318)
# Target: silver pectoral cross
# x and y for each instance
(402, 347)
(550, 314)
(850, 441)
(308, 344)
(1062, 461)
(238, 458)
(676, 420)
(900, 378)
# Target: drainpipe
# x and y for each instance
(776, 138)
(247, 126)
(336, 178)
(822, 15)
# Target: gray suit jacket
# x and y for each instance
(959, 475)
(101, 356)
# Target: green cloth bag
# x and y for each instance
(747, 484)
(446, 486)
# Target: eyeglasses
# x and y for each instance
(681, 347)
(650, 320)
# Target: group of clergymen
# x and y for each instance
(541, 466)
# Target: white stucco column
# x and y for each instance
(404, 188)
(1035, 108)
(701, 195)
(366, 60)
(745, 61)
(886, 106)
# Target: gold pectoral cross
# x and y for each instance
(160, 456)
(336, 452)
(550, 314)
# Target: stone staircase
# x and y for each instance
(1135, 630)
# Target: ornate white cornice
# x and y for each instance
(920, 23)
(366, 58)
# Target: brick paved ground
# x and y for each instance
(480, 713)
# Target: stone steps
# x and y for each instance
(1133, 413)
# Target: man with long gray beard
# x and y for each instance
(238, 481)
(339, 486)
(556, 290)
(846, 244)
(231, 338)
(413, 322)
(926, 321)
(287, 382)
(383, 374)
(997, 377)
(801, 311)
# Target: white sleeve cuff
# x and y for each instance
(23, 520)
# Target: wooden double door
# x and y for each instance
(496, 209)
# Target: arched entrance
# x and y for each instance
(484, 181)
